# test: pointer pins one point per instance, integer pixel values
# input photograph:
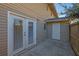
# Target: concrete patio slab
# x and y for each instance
(50, 48)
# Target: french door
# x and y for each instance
(21, 34)
(31, 33)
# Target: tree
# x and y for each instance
(72, 12)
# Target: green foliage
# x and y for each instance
(77, 22)
(72, 12)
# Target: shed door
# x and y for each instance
(56, 31)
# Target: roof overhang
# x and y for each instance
(53, 9)
(57, 19)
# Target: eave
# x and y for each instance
(52, 8)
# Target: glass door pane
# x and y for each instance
(18, 34)
(30, 32)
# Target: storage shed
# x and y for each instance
(58, 29)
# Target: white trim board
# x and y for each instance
(31, 18)
(11, 33)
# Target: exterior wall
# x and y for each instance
(37, 11)
(74, 37)
(64, 31)
(49, 31)
(40, 32)
(3, 32)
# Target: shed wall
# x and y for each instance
(64, 31)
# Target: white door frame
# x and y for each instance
(34, 32)
(25, 32)
(10, 35)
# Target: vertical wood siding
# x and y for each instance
(64, 30)
(74, 37)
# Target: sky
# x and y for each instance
(60, 9)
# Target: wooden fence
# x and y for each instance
(74, 37)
